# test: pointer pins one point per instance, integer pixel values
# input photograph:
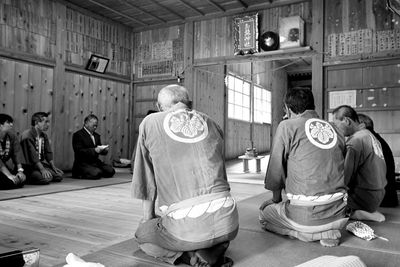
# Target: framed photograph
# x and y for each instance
(394, 6)
(245, 34)
(291, 32)
(97, 64)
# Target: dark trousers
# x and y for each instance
(34, 176)
(6, 184)
(157, 242)
(93, 171)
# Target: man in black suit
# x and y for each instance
(87, 147)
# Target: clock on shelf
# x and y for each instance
(269, 41)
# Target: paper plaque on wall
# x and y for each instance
(338, 98)
(245, 34)
(291, 32)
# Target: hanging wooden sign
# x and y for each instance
(245, 34)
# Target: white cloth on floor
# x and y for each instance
(334, 261)
(74, 261)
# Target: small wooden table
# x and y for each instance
(246, 159)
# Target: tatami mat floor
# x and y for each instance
(82, 216)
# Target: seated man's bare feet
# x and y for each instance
(363, 215)
(213, 254)
(206, 257)
(197, 260)
(329, 242)
(224, 262)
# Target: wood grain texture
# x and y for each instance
(214, 37)
(81, 221)
(377, 93)
(109, 101)
(27, 26)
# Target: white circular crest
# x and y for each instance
(185, 126)
(377, 146)
(320, 133)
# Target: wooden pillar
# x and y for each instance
(252, 105)
(188, 46)
(317, 43)
(59, 132)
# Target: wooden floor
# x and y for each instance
(80, 221)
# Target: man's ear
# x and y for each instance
(289, 112)
(348, 121)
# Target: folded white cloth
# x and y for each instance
(74, 261)
(334, 261)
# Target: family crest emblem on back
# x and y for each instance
(320, 133)
(185, 126)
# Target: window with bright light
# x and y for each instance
(238, 98)
(262, 105)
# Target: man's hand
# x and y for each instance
(46, 174)
(102, 149)
(13, 178)
(266, 203)
(21, 177)
(58, 171)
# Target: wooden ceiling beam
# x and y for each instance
(216, 5)
(168, 9)
(273, 4)
(231, 12)
(119, 13)
(191, 7)
(143, 11)
(244, 5)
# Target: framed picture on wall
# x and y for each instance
(291, 32)
(245, 34)
(394, 6)
(97, 64)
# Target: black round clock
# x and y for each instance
(269, 41)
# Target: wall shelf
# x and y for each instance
(110, 76)
(283, 54)
(380, 108)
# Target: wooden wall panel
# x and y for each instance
(279, 85)
(262, 137)
(237, 138)
(7, 70)
(28, 27)
(262, 74)
(21, 96)
(87, 35)
(377, 93)
(108, 100)
(342, 78)
(345, 17)
(34, 79)
(163, 50)
(209, 95)
(145, 99)
(24, 90)
(381, 75)
(214, 38)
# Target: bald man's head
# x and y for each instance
(171, 95)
